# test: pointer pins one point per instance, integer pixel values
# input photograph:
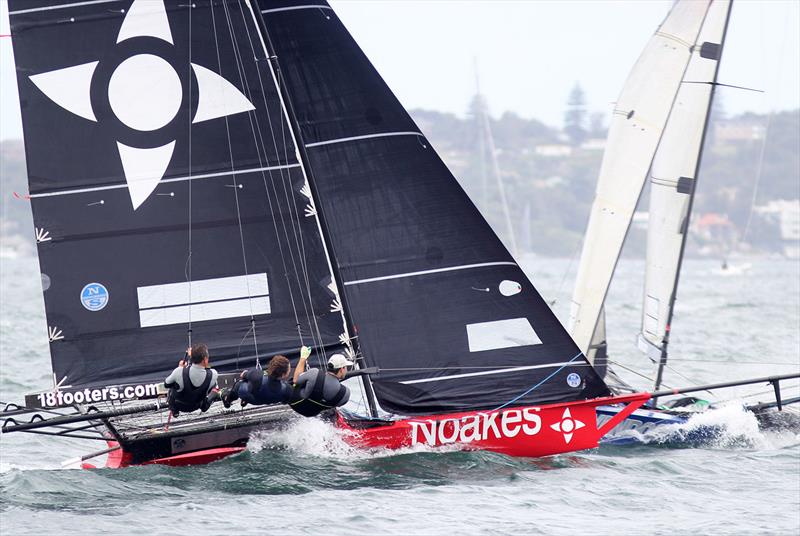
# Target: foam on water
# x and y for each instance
(319, 439)
(728, 426)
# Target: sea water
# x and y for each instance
(305, 479)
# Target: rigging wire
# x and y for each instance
(632, 371)
(296, 218)
(559, 369)
(187, 268)
(235, 184)
(347, 339)
(762, 153)
(316, 337)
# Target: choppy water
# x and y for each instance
(306, 480)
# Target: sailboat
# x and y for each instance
(237, 173)
(664, 147)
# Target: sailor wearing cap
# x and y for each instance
(317, 390)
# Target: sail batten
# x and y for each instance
(433, 271)
(364, 137)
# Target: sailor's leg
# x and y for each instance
(231, 394)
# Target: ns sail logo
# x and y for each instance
(94, 297)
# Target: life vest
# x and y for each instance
(315, 403)
(190, 398)
(265, 390)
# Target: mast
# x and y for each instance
(663, 359)
(487, 141)
(305, 163)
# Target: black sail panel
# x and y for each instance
(165, 189)
(436, 300)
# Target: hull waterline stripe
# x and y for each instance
(309, 6)
(162, 181)
(425, 272)
(62, 6)
(364, 137)
(496, 371)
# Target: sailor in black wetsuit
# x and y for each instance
(258, 387)
(317, 390)
(191, 385)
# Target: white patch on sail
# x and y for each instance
(501, 334)
(509, 288)
(217, 97)
(69, 88)
(143, 169)
(146, 18)
(145, 92)
(203, 311)
(207, 299)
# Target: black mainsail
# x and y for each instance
(436, 300)
(168, 200)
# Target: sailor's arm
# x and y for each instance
(305, 351)
(172, 379)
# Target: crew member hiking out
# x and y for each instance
(191, 384)
(259, 387)
(317, 390)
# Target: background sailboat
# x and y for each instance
(672, 175)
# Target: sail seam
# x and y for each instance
(176, 179)
(425, 272)
(364, 137)
(496, 371)
(61, 6)
(309, 6)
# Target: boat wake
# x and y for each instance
(319, 439)
(726, 427)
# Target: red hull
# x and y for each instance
(528, 431)
(120, 458)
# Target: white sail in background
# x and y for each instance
(672, 181)
(636, 127)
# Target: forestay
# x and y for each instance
(636, 128)
(673, 179)
(167, 196)
(435, 299)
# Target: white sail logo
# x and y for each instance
(145, 93)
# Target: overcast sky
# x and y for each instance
(530, 53)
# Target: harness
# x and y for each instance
(191, 398)
(316, 403)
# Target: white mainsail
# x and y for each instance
(636, 128)
(672, 183)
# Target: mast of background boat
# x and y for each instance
(671, 309)
(487, 132)
(304, 162)
(634, 134)
(484, 206)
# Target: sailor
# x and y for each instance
(191, 384)
(259, 387)
(317, 390)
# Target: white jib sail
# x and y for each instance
(636, 127)
(672, 180)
